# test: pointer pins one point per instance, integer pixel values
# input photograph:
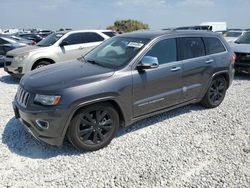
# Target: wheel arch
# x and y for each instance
(40, 60)
(113, 102)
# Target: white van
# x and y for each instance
(215, 26)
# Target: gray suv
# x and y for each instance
(127, 78)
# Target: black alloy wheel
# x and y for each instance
(216, 92)
(94, 127)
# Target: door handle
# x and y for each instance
(80, 48)
(209, 61)
(174, 69)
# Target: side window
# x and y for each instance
(164, 50)
(191, 47)
(213, 45)
(92, 37)
(75, 38)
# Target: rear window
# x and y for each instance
(109, 33)
(213, 45)
(191, 47)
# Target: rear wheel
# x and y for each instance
(41, 64)
(93, 127)
(216, 92)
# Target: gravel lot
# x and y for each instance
(187, 147)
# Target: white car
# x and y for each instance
(233, 35)
(57, 47)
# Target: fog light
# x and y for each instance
(42, 124)
(19, 69)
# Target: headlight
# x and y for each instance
(21, 57)
(47, 99)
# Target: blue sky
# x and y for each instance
(97, 14)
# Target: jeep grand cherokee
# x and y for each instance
(125, 79)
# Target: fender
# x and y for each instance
(86, 103)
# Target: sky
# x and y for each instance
(98, 14)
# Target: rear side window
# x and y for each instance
(213, 45)
(109, 33)
(92, 37)
(191, 47)
(164, 50)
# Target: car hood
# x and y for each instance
(63, 75)
(22, 50)
(241, 48)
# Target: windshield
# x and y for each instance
(232, 34)
(116, 52)
(50, 40)
(244, 39)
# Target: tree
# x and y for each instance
(128, 25)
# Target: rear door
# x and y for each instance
(158, 88)
(197, 66)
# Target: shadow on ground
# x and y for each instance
(9, 79)
(242, 76)
(22, 143)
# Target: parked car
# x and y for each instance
(2, 60)
(57, 47)
(45, 33)
(233, 35)
(241, 47)
(125, 79)
(30, 36)
(22, 40)
(7, 44)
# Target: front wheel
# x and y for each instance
(216, 92)
(93, 127)
(41, 64)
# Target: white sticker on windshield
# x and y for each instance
(135, 44)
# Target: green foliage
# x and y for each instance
(128, 25)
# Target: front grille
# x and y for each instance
(243, 58)
(10, 56)
(22, 97)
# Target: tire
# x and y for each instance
(41, 64)
(90, 131)
(215, 93)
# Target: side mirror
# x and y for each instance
(148, 62)
(64, 43)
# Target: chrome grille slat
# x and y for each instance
(22, 97)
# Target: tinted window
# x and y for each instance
(75, 38)
(232, 34)
(191, 47)
(213, 45)
(3, 41)
(164, 50)
(92, 37)
(109, 33)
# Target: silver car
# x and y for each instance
(57, 47)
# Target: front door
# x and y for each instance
(158, 88)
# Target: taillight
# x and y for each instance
(33, 43)
(234, 57)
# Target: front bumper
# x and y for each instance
(56, 118)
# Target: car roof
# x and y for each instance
(87, 30)
(154, 34)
